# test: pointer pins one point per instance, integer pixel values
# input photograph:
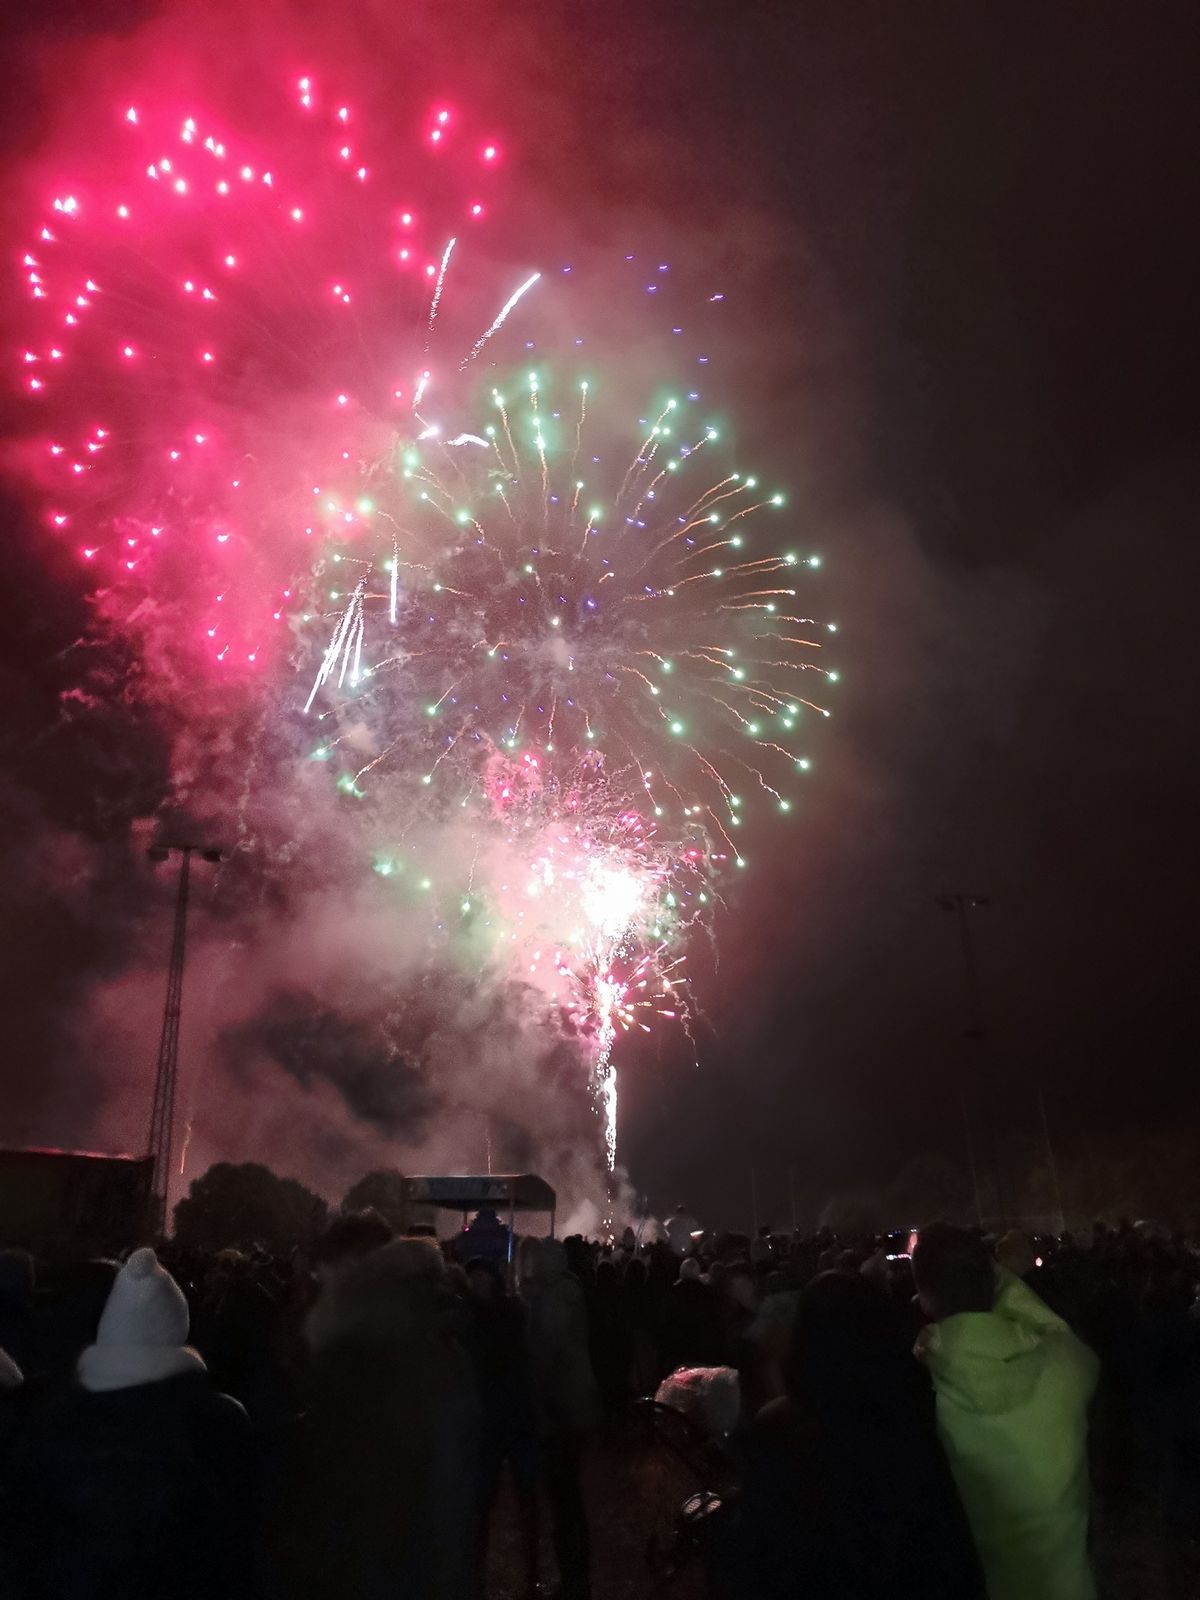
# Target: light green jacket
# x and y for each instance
(1013, 1386)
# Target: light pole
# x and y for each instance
(162, 1111)
(962, 905)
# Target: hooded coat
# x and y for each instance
(383, 1498)
(137, 1481)
(565, 1396)
(1013, 1386)
(846, 1492)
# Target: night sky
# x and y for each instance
(961, 250)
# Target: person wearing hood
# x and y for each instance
(486, 1239)
(611, 1337)
(137, 1481)
(493, 1336)
(641, 1314)
(846, 1491)
(565, 1397)
(693, 1332)
(382, 1501)
(1013, 1385)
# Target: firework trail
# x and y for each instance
(594, 906)
(494, 597)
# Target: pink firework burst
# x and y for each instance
(223, 320)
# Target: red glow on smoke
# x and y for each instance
(123, 319)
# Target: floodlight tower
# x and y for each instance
(962, 905)
(162, 1114)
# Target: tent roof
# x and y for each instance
(7, 1153)
(521, 1191)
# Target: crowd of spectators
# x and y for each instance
(914, 1417)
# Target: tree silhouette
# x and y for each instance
(383, 1190)
(247, 1204)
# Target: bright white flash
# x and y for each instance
(611, 898)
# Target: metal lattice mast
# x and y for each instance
(162, 1116)
(962, 905)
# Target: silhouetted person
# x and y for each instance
(611, 1337)
(493, 1335)
(641, 1316)
(693, 1322)
(349, 1237)
(385, 1494)
(847, 1491)
(136, 1483)
(565, 1401)
(234, 1328)
(486, 1239)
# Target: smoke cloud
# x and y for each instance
(324, 1032)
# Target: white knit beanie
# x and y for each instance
(145, 1305)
